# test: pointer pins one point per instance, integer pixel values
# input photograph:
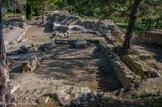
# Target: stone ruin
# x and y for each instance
(80, 44)
(31, 63)
(149, 38)
(47, 46)
(64, 25)
(33, 48)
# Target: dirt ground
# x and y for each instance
(69, 66)
(151, 56)
(36, 35)
(65, 65)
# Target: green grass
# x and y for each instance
(156, 103)
(138, 28)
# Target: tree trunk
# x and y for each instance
(132, 20)
(14, 10)
(149, 25)
(147, 22)
(157, 23)
(43, 15)
(5, 93)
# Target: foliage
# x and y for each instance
(156, 103)
(37, 11)
(28, 12)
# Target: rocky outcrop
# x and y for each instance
(149, 37)
(31, 63)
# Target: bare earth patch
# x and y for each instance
(84, 67)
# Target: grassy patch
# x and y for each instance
(138, 28)
(156, 103)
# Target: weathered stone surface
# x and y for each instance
(139, 68)
(16, 18)
(62, 28)
(14, 87)
(75, 102)
(47, 46)
(81, 44)
(44, 100)
(68, 20)
(147, 87)
(31, 64)
(76, 28)
(124, 74)
(149, 37)
(24, 49)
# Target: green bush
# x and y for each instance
(37, 11)
(28, 12)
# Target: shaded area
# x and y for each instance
(85, 67)
(151, 55)
(69, 66)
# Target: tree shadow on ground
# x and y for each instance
(156, 50)
(90, 70)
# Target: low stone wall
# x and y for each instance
(149, 37)
(145, 88)
(19, 39)
(16, 18)
(138, 67)
(124, 74)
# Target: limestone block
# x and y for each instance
(81, 44)
(44, 100)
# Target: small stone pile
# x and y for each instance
(31, 64)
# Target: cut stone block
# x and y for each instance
(14, 87)
(80, 44)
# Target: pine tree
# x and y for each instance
(28, 12)
(42, 4)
